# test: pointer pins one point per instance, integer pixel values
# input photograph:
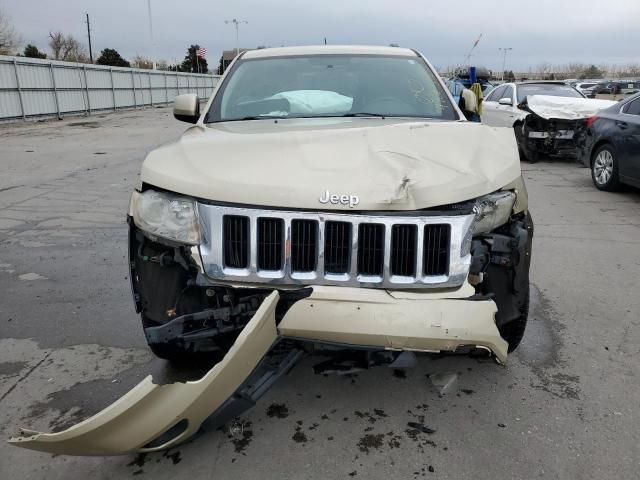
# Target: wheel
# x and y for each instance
(604, 169)
(525, 155)
(531, 157)
(513, 331)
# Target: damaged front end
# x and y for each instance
(555, 125)
(500, 270)
(540, 137)
(256, 331)
(183, 315)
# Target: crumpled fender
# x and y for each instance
(149, 410)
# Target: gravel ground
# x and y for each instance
(565, 405)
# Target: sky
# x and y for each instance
(553, 31)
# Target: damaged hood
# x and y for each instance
(389, 164)
(565, 108)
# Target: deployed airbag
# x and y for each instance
(316, 102)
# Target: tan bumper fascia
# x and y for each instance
(149, 410)
(367, 317)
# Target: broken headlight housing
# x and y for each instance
(167, 216)
(492, 211)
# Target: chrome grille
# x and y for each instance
(320, 248)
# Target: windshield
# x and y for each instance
(330, 86)
(553, 89)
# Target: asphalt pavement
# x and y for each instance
(565, 405)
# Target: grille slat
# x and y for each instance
(436, 249)
(236, 241)
(304, 245)
(337, 247)
(270, 243)
(403, 250)
(370, 249)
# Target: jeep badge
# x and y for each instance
(327, 197)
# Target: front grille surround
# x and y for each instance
(457, 264)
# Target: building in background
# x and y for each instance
(227, 58)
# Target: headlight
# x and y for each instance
(167, 216)
(492, 211)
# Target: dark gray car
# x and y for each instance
(611, 145)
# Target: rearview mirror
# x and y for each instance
(506, 101)
(186, 108)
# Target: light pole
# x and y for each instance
(237, 24)
(153, 47)
(504, 58)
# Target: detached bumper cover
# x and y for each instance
(149, 410)
(155, 417)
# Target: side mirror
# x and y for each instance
(186, 108)
(506, 101)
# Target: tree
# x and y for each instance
(592, 72)
(67, 48)
(544, 69)
(221, 65)
(111, 57)
(56, 43)
(142, 62)
(32, 51)
(192, 63)
(9, 39)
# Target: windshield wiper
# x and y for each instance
(364, 114)
(253, 117)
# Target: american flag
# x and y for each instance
(201, 52)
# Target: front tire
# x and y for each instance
(525, 155)
(604, 169)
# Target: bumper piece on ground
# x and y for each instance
(155, 417)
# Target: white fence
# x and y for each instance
(32, 87)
